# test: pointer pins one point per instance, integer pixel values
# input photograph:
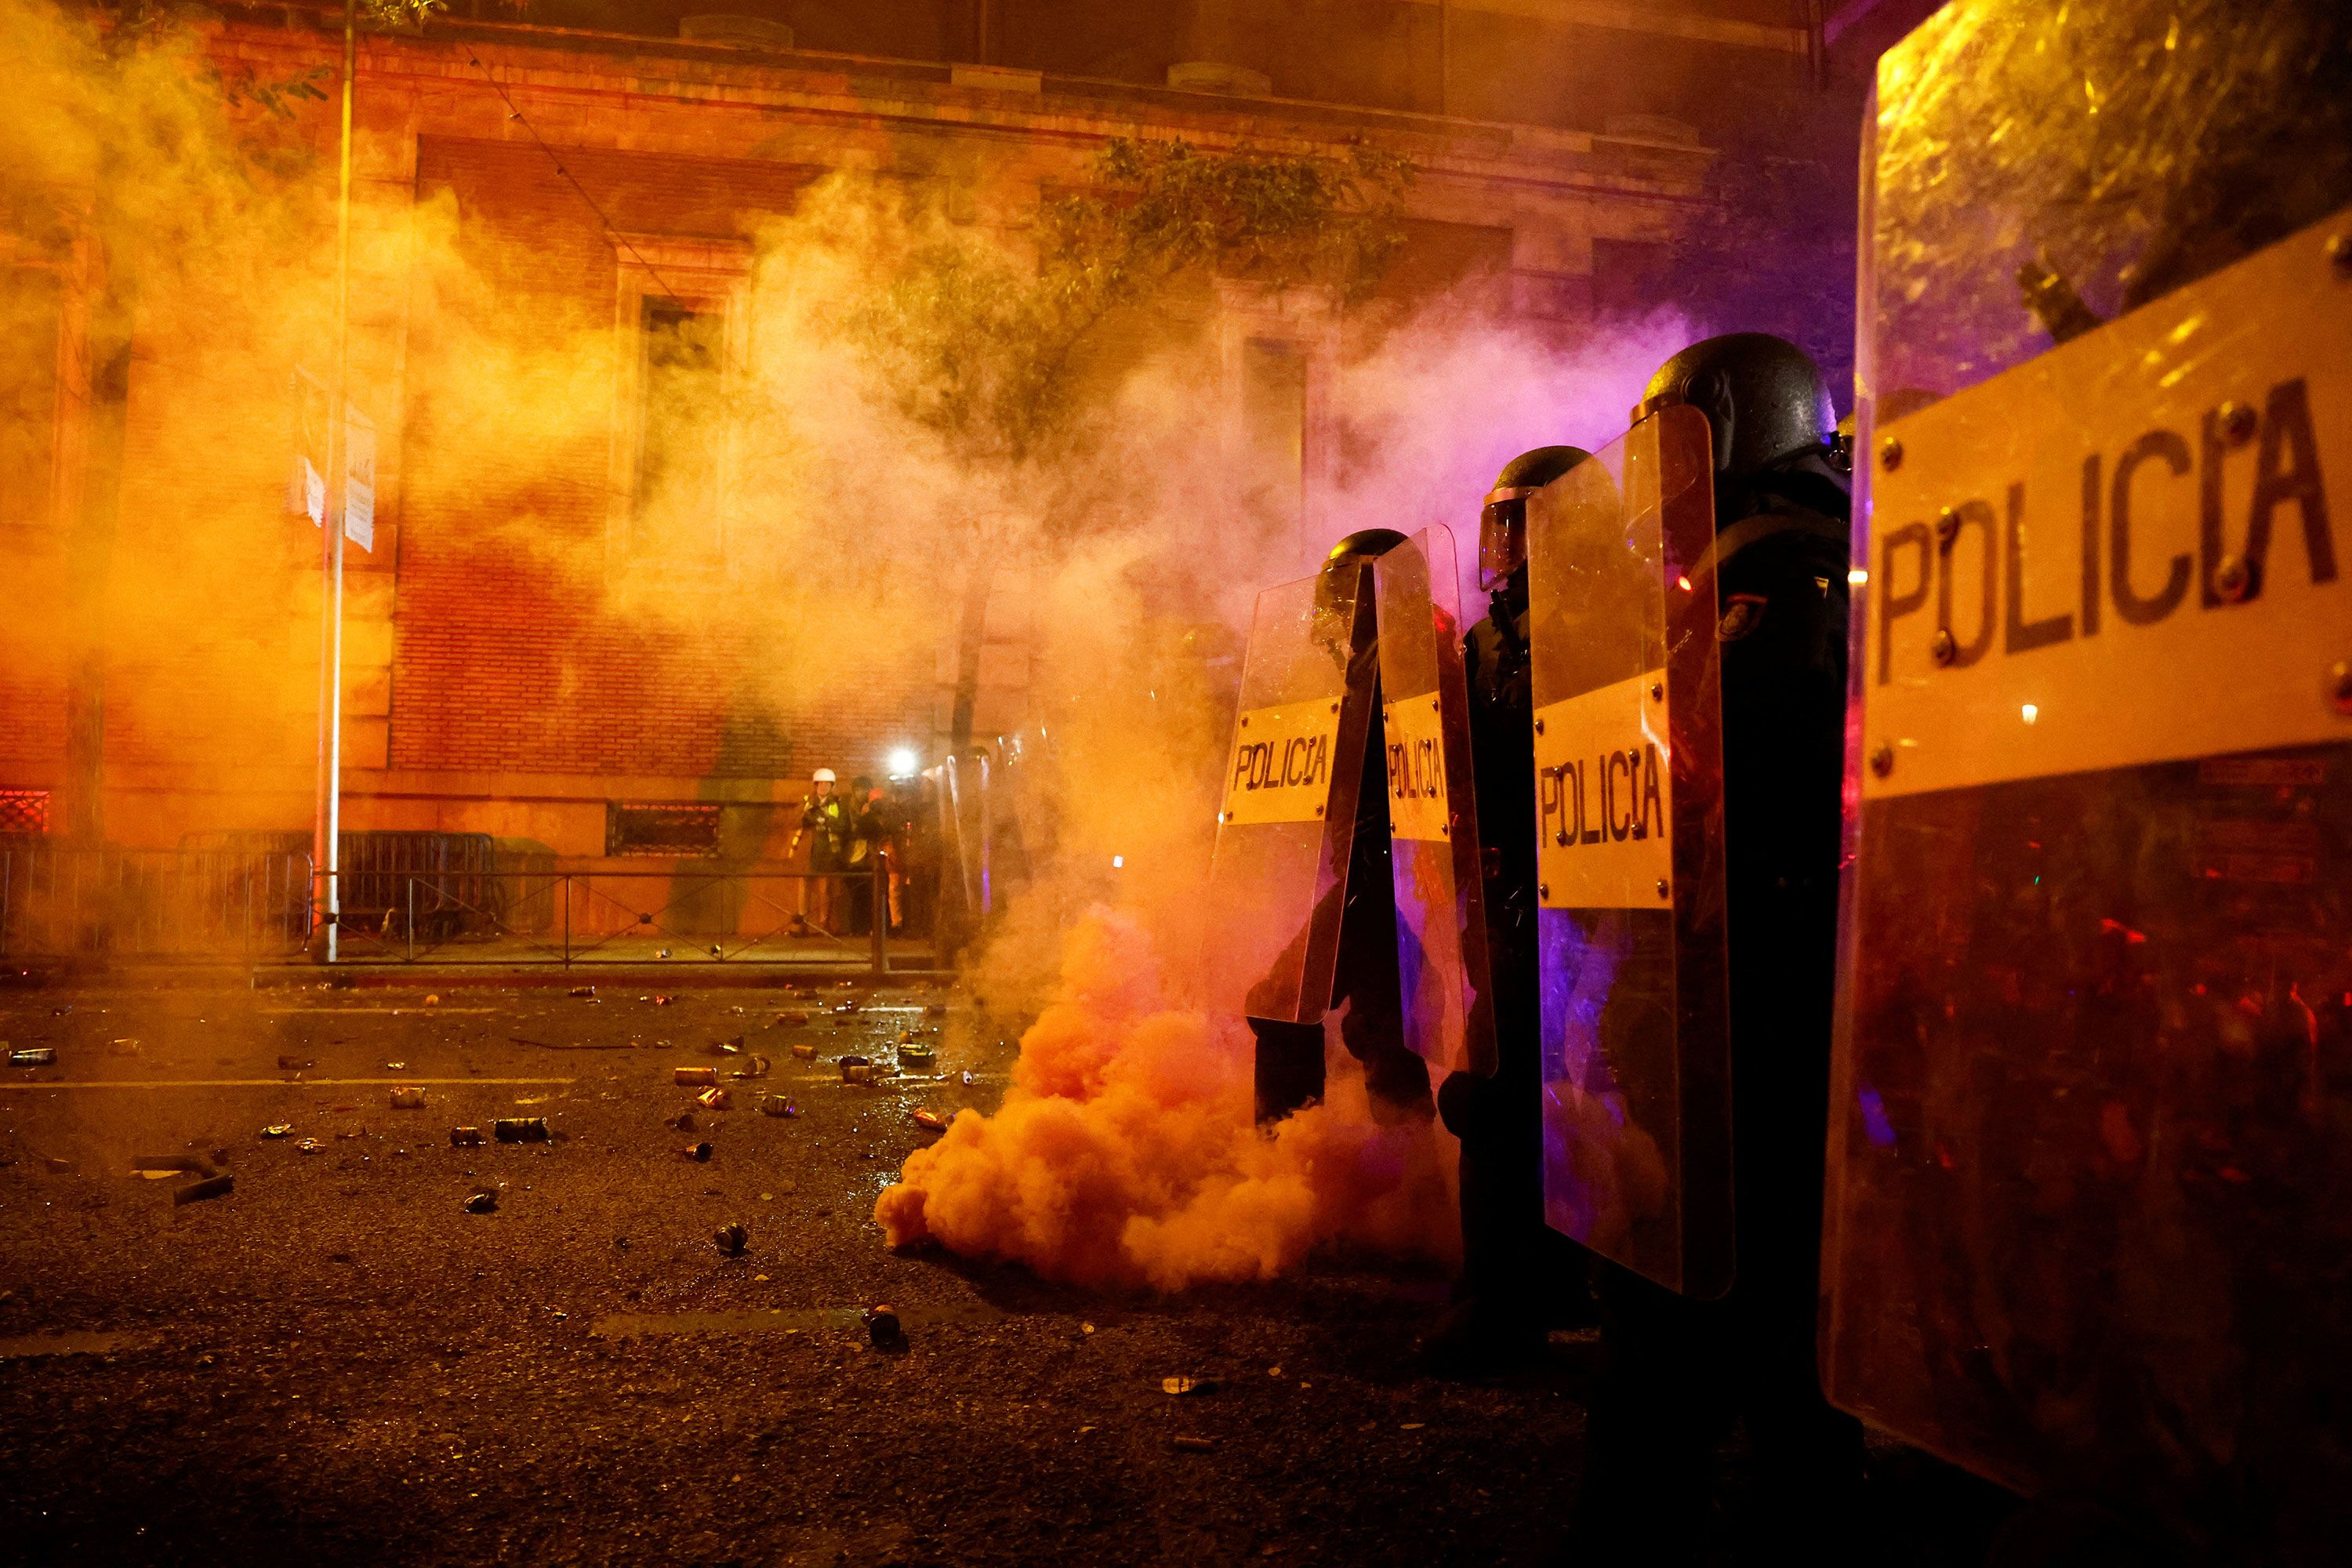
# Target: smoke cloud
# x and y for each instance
(1124, 1154)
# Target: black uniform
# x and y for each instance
(1680, 1370)
(1500, 1120)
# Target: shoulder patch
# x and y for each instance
(1741, 616)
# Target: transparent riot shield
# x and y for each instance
(1629, 845)
(1279, 873)
(1449, 1007)
(2089, 1211)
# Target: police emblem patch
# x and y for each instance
(1743, 615)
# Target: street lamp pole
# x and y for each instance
(326, 852)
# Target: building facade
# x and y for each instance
(605, 177)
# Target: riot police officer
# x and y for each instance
(1365, 979)
(1678, 1370)
(1499, 1318)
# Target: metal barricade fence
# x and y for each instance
(63, 901)
(755, 914)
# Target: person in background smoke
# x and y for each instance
(866, 835)
(1366, 980)
(1678, 1370)
(824, 822)
(1516, 1274)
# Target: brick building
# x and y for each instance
(608, 165)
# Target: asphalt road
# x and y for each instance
(336, 1361)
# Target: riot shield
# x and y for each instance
(1279, 873)
(2089, 1208)
(1628, 845)
(1448, 1002)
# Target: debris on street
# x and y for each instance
(1188, 1385)
(712, 1099)
(928, 1119)
(407, 1097)
(777, 1105)
(295, 1064)
(278, 1130)
(33, 1056)
(753, 1067)
(124, 1048)
(805, 1050)
(882, 1326)
(856, 1069)
(210, 1187)
(520, 1130)
(731, 1239)
(308, 1146)
(693, 1077)
(683, 1121)
(1192, 1445)
(483, 1202)
(465, 1137)
(699, 1152)
(935, 1010)
(589, 991)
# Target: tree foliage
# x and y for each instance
(969, 344)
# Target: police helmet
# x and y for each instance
(1503, 521)
(1763, 395)
(1336, 585)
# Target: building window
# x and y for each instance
(680, 325)
(24, 811)
(672, 832)
(1274, 426)
(679, 437)
(30, 318)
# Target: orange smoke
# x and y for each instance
(1124, 1154)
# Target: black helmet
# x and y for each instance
(1338, 586)
(1503, 521)
(1764, 396)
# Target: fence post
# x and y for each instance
(567, 920)
(878, 915)
(412, 919)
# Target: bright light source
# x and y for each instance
(2031, 712)
(1857, 577)
(1117, 862)
(1684, 584)
(902, 763)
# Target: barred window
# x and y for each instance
(24, 811)
(670, 831)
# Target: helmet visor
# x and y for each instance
(1502, 539)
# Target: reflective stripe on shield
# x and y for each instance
(1629, 845)
(2089, 1217)
(1449, 1009)
(1287, 815)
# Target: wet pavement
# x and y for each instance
(337, 1359)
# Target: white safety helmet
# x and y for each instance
(823, 775)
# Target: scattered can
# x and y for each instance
(33, 1056)
(407, 1097)
(483, 1202)
(122, 1049)
(805, 1050)
(930, 1121)
(693, 1077)
(883, 1328)
(278, 1130)
(308, 1146)
(712, 1100)
(466, 1138)
(777, 1105)
(683, 1121)
(856, 1069)
(699, 1152)
(755, 1066)
(917, 1059)
(520, 1130)
(731, 1240)
(582, 991)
